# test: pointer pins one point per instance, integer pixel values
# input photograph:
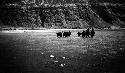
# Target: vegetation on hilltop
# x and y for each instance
(77, 16)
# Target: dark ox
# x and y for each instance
(92, 33)
(81, 34)
(87, 33)
(66, 34)
(59, 34)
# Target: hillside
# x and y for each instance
(78, 15)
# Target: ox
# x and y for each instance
(66, 34)
(59, 34)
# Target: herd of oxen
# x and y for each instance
(85, 33)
